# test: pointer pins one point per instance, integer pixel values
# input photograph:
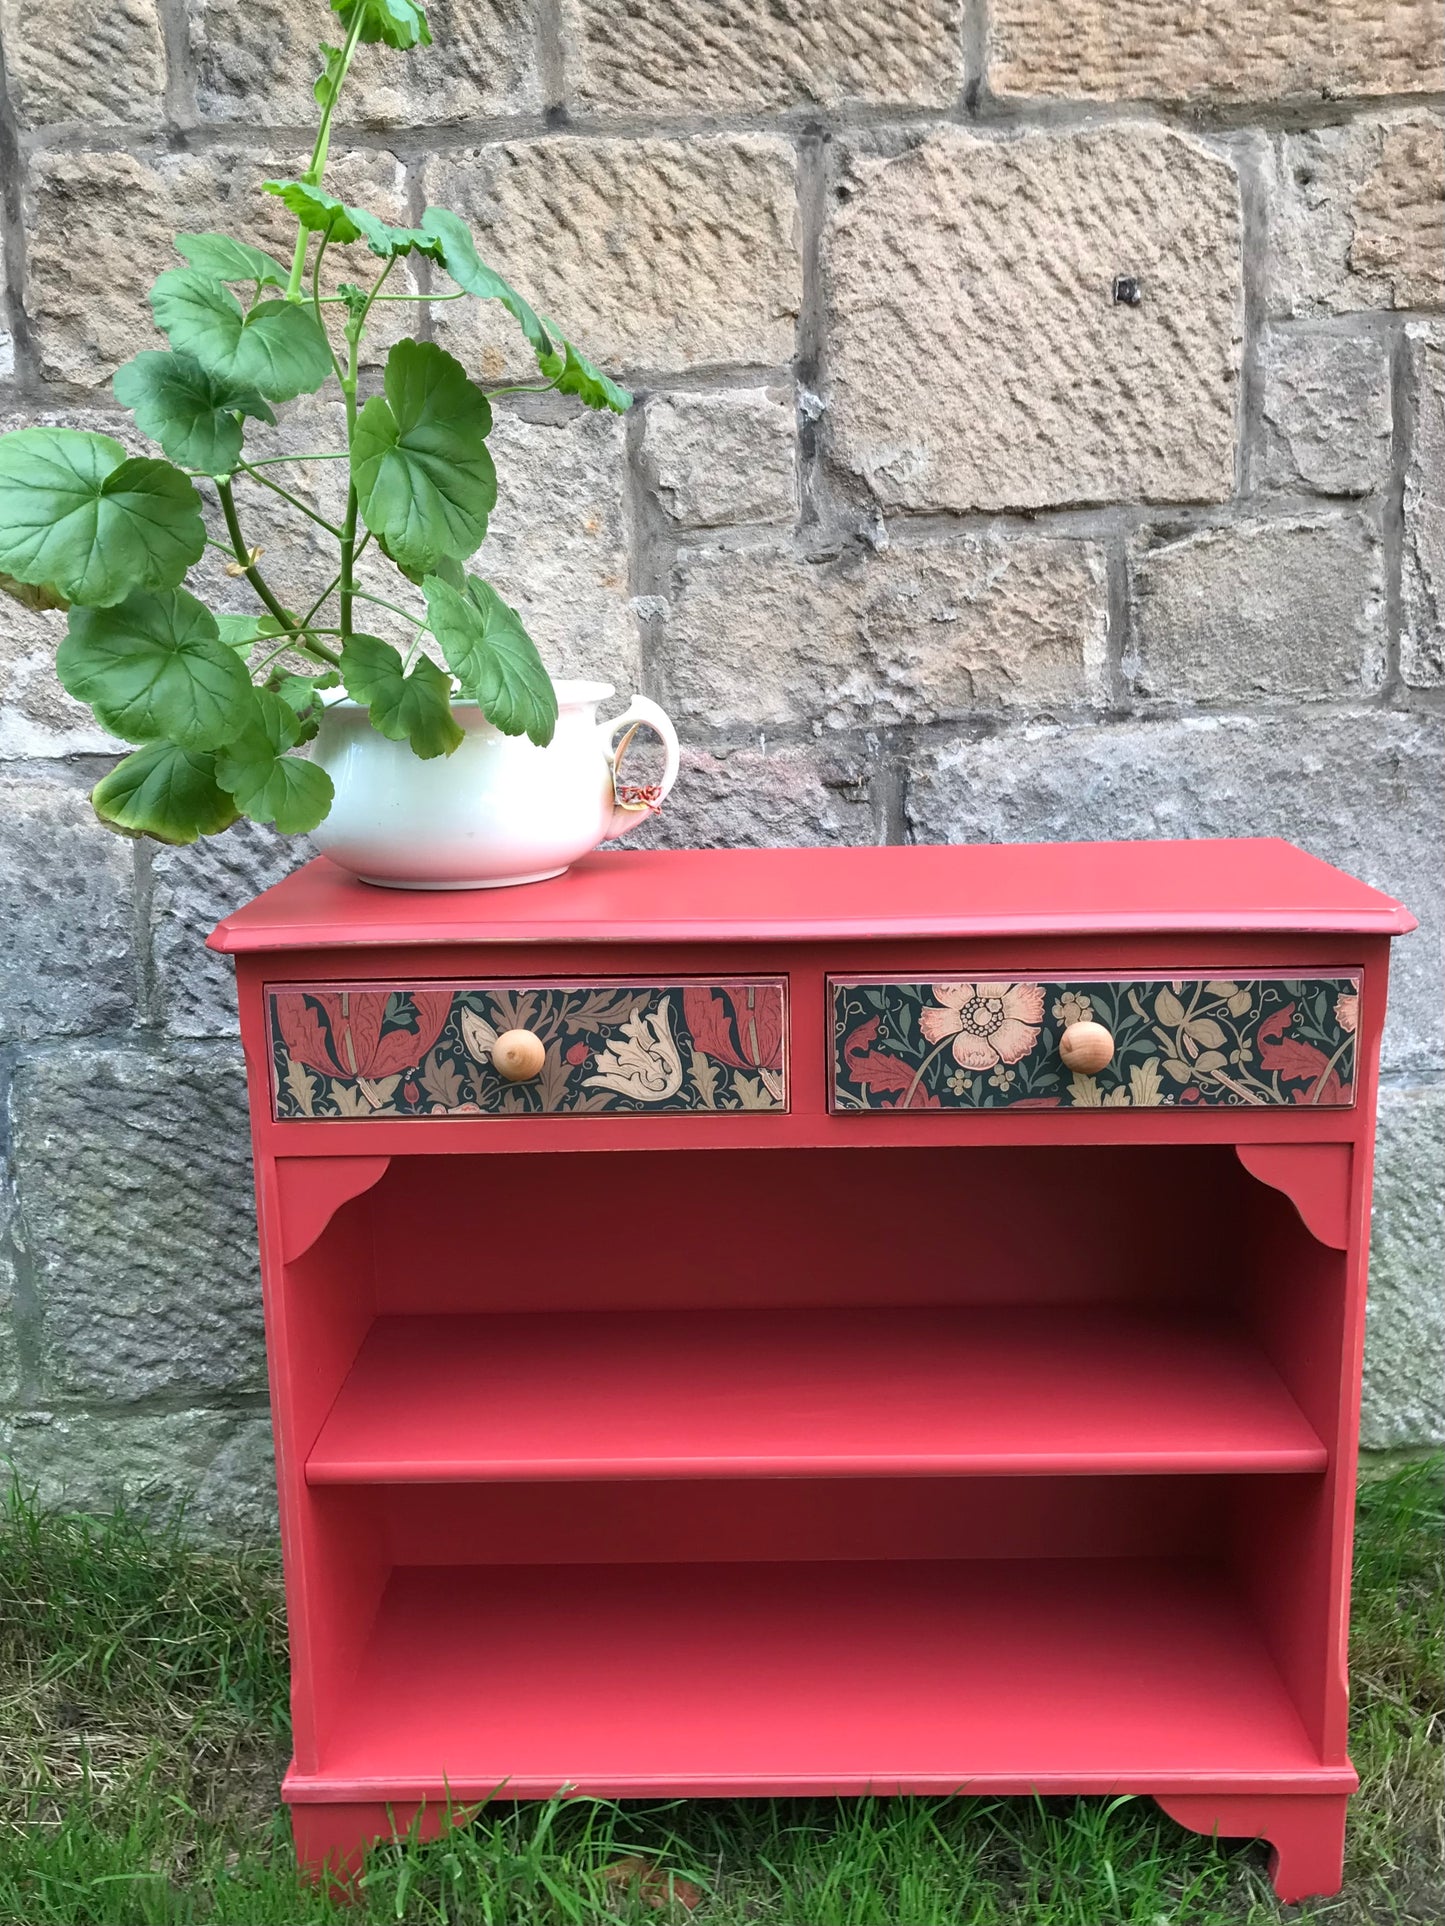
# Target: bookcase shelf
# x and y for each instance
(791, 1390)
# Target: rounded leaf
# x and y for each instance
(165, 792)
(420, 462)
(414, 708)
(396, 23)
(493, 657)
(276, 347)
(79, 516)
(188, 410)
(266, 783)
(226, 259)
(153, 667)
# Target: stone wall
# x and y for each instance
(927, 526)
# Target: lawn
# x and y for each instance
(143, 1730)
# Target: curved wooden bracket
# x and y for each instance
(1314, 1177)
(1305, 1831)
(312, 1189)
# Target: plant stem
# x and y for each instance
(258, 582)
(274, 461)
(294, 500)
(545, 389)
(316, 304)
(349, 551)
(317, 167)
(362, 596)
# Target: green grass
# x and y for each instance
(143, 1730)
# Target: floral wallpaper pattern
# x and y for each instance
(977, 1046)
(424, 1051)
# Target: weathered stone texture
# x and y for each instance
(214, 1466)
(1422, 650)
(720, 56)
(1327, 414)
(1363, 790)
(557, 544)
(67, 958)
(910, 634)
(9, 1350)
(1355, 217)
(101, 227)
(715, 459)
(1404, 1391)
(653, 254)
(192, 890)
(1276, 608)
(978, 359)
(93, 62)
(7, 338)
(751, 799)
(132, 1175)
(256, 61)
(1215, 49)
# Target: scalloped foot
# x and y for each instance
(332, 1841)
(1305, 1833)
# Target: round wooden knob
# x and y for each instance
(518, 1055)
(1086, 1046)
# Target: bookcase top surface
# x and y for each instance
(803, 895)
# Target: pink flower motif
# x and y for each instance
(990, 1023)
(1347, 1010)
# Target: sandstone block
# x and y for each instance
(9, 1353)
(257, 59)
(754, 799)
(100, 228)
(913, 633)
(1365, 790)
(1327, 415)
(654, 255)
(216, 1466)
(132, 1177)
(978, 358)
(7, 339)
(557, 543)
(92, 62)
(1355, 217)
(67, 962)
(1221, 50)
(1270, 608)
(721, 56)
(1404, 1391)
(192, 890)
(714, 459)
(1422, 649)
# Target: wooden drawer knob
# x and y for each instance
(518, 1055)
(1087, 1047)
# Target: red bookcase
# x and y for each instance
(805, 1382)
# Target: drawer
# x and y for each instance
(1206, 1041)
(392, 1050)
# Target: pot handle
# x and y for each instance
(634, 804)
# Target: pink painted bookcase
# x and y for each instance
(805, 1383)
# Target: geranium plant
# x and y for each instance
(217, 703)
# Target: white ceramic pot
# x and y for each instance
(498, 810)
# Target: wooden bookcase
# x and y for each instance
(804, 1383)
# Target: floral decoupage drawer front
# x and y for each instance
(995, 1045)
(425, 1050)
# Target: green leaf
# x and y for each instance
(466, 267)
(321, 213)
(575, 375)
(242, 632)
(419, 459)
(154, 668)
(493, 657)
(191, 413)
(277, 347)
(413, 708)
(399, 23)
(329, 79)
(302, 695)
(79, 517)
(267, 784)
(226, 259)
(166, 792)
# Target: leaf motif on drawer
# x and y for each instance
(478, 1035)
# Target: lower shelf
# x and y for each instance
(644, 1680)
